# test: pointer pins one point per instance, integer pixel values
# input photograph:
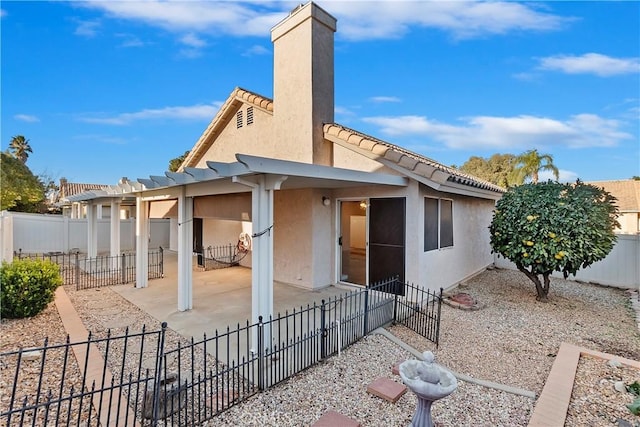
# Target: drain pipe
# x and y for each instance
(461, 377)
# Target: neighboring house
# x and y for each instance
(79, 210)
(627, 191)
(324, 204)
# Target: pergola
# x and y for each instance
(258, 175)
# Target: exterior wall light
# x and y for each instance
(326, 201)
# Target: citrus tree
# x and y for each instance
(547, 227)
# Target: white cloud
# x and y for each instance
(521, 132)
(214, 17)
(256, 50)
(26, 118)
(359, 20)
(343, 111)
(87, 28)
(563, 176)
(192, 40)
(381, 99)
(591, 63)
(193, 112)
(129, 40)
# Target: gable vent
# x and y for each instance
(249, 116)
(239, 119)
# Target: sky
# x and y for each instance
(111, 89)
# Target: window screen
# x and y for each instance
(430, 224)
(446, 223)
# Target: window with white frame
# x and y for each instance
(438, 223)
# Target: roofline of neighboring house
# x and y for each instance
(228, 109)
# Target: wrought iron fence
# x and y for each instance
(136, 379)
(86, 273)
(217, 257)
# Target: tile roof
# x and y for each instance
(627, 192)
(237, 97)
(68, 189)
(406, 159)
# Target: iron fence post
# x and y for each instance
(261, 355)
(323, 331)
(366, 310)
(77, 271)
(438, 322)
(395, 299)
(161, 262)
(123, 269)
(158, 374)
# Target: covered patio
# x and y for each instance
(221, 298)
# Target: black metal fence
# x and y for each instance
(217, 257)
(99, 271)
(135, 379)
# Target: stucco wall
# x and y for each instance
(255, 139)
(629, 223)
(471, 251)
(293, 237)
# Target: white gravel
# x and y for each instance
(512, 340)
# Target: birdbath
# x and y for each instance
(430, 382)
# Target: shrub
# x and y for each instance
(27, 286)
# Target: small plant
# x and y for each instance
(27, 287)
(634, 389)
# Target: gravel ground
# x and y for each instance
(512, 340)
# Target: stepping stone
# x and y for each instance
(335, 419)
(395, 369)
(387, 389)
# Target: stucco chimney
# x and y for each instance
(303, 87)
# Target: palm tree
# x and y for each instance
(527, 165)
(20, 148)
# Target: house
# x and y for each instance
(322, 203)
(67, 191)
(627, 191)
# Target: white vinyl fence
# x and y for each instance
(620, 269)
(36, 233)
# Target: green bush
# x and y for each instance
(27, 286)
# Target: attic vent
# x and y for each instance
(239, 119)
(249, 116)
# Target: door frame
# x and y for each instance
(338, 233)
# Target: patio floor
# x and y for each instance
(221, 298)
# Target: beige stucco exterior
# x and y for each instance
(298, 126)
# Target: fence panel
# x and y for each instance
(619, 269)
(97, 381)
(87, 273)
(134, 379)
(420, 310)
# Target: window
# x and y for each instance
(249, 116)
(438, 223)
(239, 119)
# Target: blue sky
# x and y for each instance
(118, 88)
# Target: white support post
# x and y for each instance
(92, 230)
(99, 210)
(185, 252)
(115, 233)
(142, 243)
(262, 249)
(6, 236)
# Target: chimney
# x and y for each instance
(303, 86)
